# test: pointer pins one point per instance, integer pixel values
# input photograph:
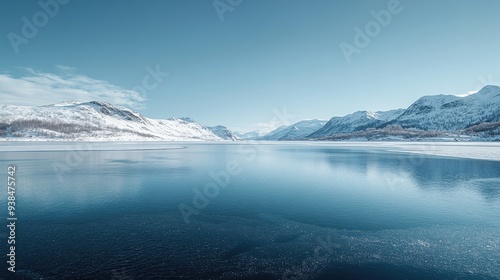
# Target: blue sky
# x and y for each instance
(240, 66)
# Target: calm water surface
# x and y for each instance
(242, 211)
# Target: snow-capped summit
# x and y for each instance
(427, 104)
(110, 110)
(487, 94)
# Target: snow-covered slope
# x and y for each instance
(295, 131)
(252, 135)
(94, 121)
(438, 113)
(450, 112)
(223, 133)
(357, 121)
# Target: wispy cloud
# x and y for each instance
(34, 88)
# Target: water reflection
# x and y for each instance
(328, 186)
(385, 212)
(427, 172)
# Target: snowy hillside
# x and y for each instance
(357, 121)
(223, 132)
(252, 135)
(476, 115)
(449, 112)
(297, 130)
(94, 121)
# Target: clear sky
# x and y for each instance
(238, 62)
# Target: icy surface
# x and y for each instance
(486, 151)
(221, 247)
(472, 150)
(117, 217)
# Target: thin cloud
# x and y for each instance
(35, 88)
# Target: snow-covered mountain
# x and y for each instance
(94, 121)
(450, 112)
(476, 115)
(356, 121)
(223, 132)
(252, 135)
(297, 130)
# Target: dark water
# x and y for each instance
(233, 211)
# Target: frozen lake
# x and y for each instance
(305, 210)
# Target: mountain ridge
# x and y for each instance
(475, 116)
(95, 121)
(438, 115)
(294, 131)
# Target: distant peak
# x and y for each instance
(218, 127)
(492, 87)
(187, 119)
(488, 89)
(77, 103)
(99, 103)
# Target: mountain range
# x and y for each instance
(473, 117)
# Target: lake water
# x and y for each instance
(251, 211)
